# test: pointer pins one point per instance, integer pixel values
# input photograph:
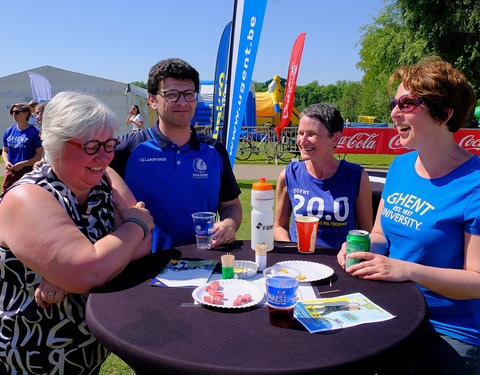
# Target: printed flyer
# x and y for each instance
(327, 314)
(185, 273)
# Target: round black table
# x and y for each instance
(158, 330)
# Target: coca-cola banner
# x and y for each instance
(387, 141)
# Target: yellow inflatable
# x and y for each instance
(269, 105)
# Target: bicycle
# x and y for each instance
(260, 139)
(287, 147)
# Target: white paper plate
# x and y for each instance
(231, 288)
(312, 271)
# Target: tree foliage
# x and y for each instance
(139, 84)
(386, 44)
(344, 95)
(405, 31)
(451, 30)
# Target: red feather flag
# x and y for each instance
(291, 83)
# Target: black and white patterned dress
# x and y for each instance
(55, 340)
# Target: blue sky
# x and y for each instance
(121, 40)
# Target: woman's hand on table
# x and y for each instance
(48, 293)
(377, 267)
(342, 254)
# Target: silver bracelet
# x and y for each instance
(138, 222)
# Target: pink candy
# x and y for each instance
(215, 297)
(240, 300)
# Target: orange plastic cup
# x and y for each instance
(306, 233)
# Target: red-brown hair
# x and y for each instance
(441, 87)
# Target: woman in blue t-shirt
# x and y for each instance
(22, 146)
(428, 221)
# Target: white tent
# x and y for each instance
(118, 96)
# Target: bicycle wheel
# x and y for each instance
(269, 146)
(287, 151)
(244, 149)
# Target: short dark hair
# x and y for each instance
(441, 87)
(171, 68)
(21, 107)
(327, 114)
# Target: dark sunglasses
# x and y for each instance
(16, 112)
(93, 146)
(406, 103)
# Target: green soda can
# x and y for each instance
(357, 240)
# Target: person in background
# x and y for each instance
(427, 228)
(335, 191)
(66, 227)
(176, 170)
(22, 146)
(39, 114)
(33, 118)
(135, 118)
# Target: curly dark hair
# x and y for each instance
(171, 68)
(441, 87)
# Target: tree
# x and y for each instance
(349, 102)
(405, 31)
(386, 44)
(140, 84)
(451, 30)
(260, 87)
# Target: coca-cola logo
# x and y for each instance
(469, 143)
(394, 143)
(364, 141)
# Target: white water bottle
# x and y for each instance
(262, 214)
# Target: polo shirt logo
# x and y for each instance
(199, 167)
(143, 160)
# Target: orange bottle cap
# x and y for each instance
(262, 185)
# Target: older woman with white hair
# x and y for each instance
(74, 223)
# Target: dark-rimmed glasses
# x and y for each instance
(172, 96)
(93, 146)
(406, 103)
(17, 112)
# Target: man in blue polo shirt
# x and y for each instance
(175, 170)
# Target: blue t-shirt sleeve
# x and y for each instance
(5, 136)
(472, 214)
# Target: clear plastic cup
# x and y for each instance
(203, 222)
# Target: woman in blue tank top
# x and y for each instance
(337, 192)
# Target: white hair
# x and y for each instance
(73, 115)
